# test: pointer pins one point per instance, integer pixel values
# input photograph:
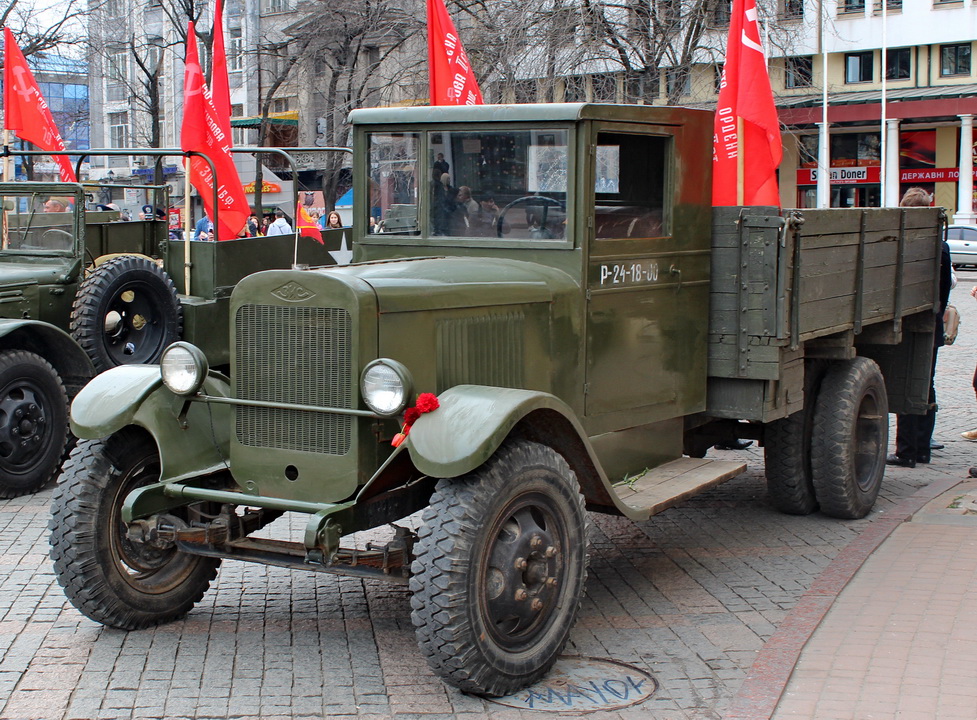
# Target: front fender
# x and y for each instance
(51, 343)
(135, 395)
(471, 424)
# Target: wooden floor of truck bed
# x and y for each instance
(675, 481)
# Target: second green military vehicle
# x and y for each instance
(81, 292)
(551, 320)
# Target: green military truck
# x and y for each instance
(552, 320)
(81, 292)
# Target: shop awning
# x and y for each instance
(283, 118)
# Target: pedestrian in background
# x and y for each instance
(914, 433)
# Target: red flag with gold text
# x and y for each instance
(202, 131)
(450, 75)
(25, 111)
(746, 143)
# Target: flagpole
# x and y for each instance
(740, 164)
(186, 225)
(8, 160)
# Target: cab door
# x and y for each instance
(647, 275)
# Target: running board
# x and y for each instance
(669, 484)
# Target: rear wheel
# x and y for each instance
(851, 433)
(33, 422)
(109, 577)
(499, 570)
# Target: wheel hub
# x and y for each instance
(524, 574)
(22, 425)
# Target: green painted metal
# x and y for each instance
(192, 437)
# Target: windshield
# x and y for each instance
(37, 223)
(508, 184)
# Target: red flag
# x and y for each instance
(306, 225)
(451, 79)
(219, 85)
(747, 130)
(203, 132)
(25, 111)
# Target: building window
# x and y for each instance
(119, 130)
(799, 71)
(792, 9)
(605, 88)
(117, 78)
(276, 6)
(235, 50)
(524, 91)
(678, 82)
(851, 6)
(280, 105)
(859, 67)
(890, 6)
(955, 59)
(721, 13)
(717, 78)
(574, 89)
(898, 64)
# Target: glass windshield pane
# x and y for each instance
(506, 184)
(393, 183)
(629, 186)
(37, 223)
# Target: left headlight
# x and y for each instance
(386, 386)
(184, 368)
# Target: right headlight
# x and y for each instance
(386, 386)
(184, 368)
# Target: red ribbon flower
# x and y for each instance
(426, 402)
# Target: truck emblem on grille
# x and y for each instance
(292, 292)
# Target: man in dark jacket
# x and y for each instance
(914, 433)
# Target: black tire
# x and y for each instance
(851, 434)
(33, 422)
(492, 607)
(787, 452)
(126, 312)
(107, 576)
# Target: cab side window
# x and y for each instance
(629, 186)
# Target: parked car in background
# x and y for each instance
(962, 240)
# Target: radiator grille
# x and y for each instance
(485, 350)
(294, 355)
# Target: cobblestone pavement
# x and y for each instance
(690, 597)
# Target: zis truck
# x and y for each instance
(550, 321)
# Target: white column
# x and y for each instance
(891, 198)
(965, 185)
(824, 166)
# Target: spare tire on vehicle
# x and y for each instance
(126, 312)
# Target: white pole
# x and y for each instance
(965, 186)
(824, 137)
(186, 225)
(883, 170)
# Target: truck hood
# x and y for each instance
(31, 273)
(419, 284)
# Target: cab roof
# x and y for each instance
(530, 112)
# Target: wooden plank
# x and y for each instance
(673, 482)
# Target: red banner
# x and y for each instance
(219, 84)
(746, 144)
(203, 132)
(305, 224)
(450, 75)
(26, 113)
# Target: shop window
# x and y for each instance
(859, 67)
(898, 64)
(799, 71)
(605, 88)
(574, 89)
(955, 60)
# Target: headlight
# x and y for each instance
(184, 368)
(386, 386)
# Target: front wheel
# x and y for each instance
(851, 433)
(499, 570)
(106, 575)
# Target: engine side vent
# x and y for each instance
(487, 350)
(299, 355)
